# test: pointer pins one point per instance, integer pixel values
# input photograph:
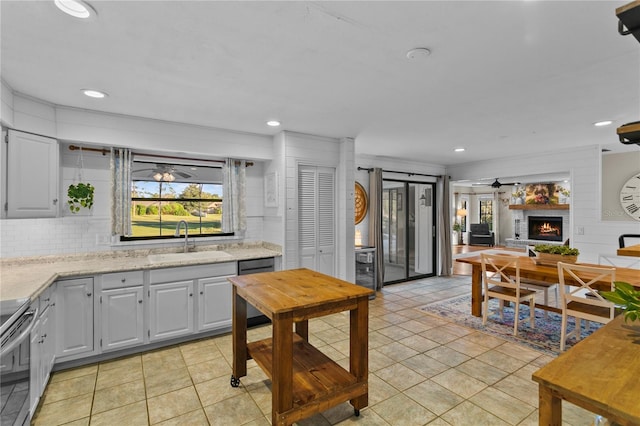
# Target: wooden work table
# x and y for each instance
(304, 380)
(529, 270)
(599, 374)
(630, 251)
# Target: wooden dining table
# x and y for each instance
(630, 251)
(529, 270)
(599, 374)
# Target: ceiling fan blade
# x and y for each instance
(183, 174)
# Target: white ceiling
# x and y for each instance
(504, 78)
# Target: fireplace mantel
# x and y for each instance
(538, 206)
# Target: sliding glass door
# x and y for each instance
(408, 226)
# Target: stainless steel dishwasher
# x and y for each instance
(254, 266)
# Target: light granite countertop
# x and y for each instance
(27, 277)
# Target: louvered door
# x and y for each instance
(316, 218)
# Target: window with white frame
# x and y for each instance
(486, 212)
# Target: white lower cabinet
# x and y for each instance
(122, 318)
(214, 303)
(42, 353)
(74, 303)
(171, 311)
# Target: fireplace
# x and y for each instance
(545, 228)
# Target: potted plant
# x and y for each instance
(457, 228)
(80, 196)
(549, 254)
(627, 296)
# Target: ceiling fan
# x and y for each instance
(164, 172)
(498, 184)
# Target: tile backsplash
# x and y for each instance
(34, 237)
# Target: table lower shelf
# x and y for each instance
(317, 379)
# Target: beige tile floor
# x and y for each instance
(423, 370)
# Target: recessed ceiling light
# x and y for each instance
(76, 8)
(418, 53)
(94, 93)
(273, 123)
(602, 123)
(459, 150)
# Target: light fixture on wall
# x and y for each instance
(461, 212)
(423, 198)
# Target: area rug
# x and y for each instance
(545, 337)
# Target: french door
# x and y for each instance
(408, 228)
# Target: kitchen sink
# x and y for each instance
(185, 257)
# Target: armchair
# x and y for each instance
(479, 234)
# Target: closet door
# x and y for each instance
(316, 218)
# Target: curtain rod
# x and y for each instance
(105, 151)
(405, 173)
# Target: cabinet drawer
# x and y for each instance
(192, 272)
(122, 279)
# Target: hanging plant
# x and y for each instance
(80, 195)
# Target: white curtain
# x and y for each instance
(234, 212)
(121, 160)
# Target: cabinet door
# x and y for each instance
(122, 317)
(170, 310)
(32, 176)
(35, 374)
(74, 299)
(47, 353)
(214, 303)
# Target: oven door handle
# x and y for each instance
(18, 340)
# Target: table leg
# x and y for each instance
(239, 337)
(358, 349)
(476, 290)
(282, 374)
(302, 329)
(549, 407)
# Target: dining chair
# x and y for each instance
(624, 239)
(544, 287)
(501, 282)
(619, 261)
(580, 299)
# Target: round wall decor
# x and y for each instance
(362, 203)
(630, 196)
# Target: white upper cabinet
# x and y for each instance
(32, 176)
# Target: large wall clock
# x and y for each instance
(362, 203)
(630, 196)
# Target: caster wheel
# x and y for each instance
(235, 382)
(356, 412)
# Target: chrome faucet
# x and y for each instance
(186, 233)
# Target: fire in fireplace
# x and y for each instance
(547, 228)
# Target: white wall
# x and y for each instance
(584, 165)
(81, 233)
